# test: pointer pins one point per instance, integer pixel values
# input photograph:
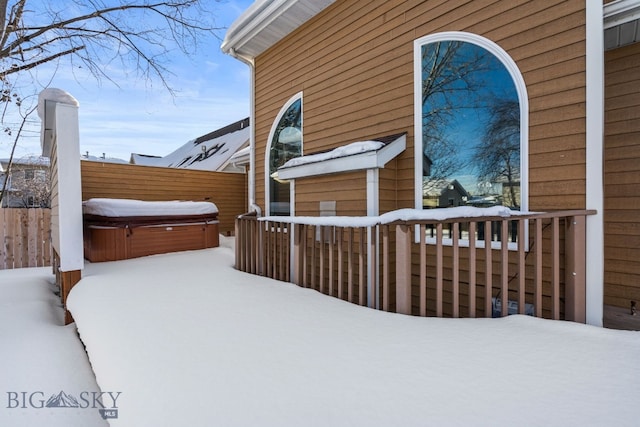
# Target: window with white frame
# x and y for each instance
(470, 124)
(285, 143)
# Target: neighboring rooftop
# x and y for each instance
(211, 152)
(27, 160)
(102, 158)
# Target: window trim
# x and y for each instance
(274, 126)
(521, 90)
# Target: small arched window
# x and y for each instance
(285, 143)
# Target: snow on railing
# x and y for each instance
(429, 262)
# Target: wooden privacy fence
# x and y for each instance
(25, 238)
(124, 181)
(442, 268)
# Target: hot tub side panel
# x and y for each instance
(117, 243)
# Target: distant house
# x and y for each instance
(565, 100)
(444, 194)
(211, 152)
(27, 182)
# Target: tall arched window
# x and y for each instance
(471, 125)
(285, 143)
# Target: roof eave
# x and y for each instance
(619, 12)
(261, 25)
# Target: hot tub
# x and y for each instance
(117, 229)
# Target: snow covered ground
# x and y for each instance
(185, 340)
(39, 356)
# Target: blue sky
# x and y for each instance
(212, 90)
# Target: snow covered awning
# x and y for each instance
(361, 155)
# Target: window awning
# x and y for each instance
(360, 155)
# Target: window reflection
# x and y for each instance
(470, 126)
(285, 145)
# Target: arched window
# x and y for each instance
(285, 143)
(471, 127)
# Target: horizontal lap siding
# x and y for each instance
(346, 189)
(622, 176)
(110, 180)
(354, 65)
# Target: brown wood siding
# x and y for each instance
(348, 190)
(227, 190)
(388, 192)
(354, 65)
(622, 176)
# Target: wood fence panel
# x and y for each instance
(3, 242)
(123, 181)
(25, 238)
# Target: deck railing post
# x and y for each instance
(403, 268)
(238, 243)
(575, 269)
(296, 259)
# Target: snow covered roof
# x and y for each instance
(27, 160)
(436, 187)
(144, 159)
(103, 159)
(266, 22)
(361, 155)
(211, 152)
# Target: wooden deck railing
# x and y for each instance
(442, 268)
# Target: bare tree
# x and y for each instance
(499, 152)
(30, 183)
(95, 36)
(450, 78)
(7, 172)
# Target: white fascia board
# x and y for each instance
(363, 161)
(256, 18)
(619, 12)
(262, 25)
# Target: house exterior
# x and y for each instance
(445, 194)
(27, 184)
(326, 74)
(211, 152)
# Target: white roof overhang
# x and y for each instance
(266, 22)
(376, 159)
(621, 23)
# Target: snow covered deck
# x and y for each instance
(235, 349)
